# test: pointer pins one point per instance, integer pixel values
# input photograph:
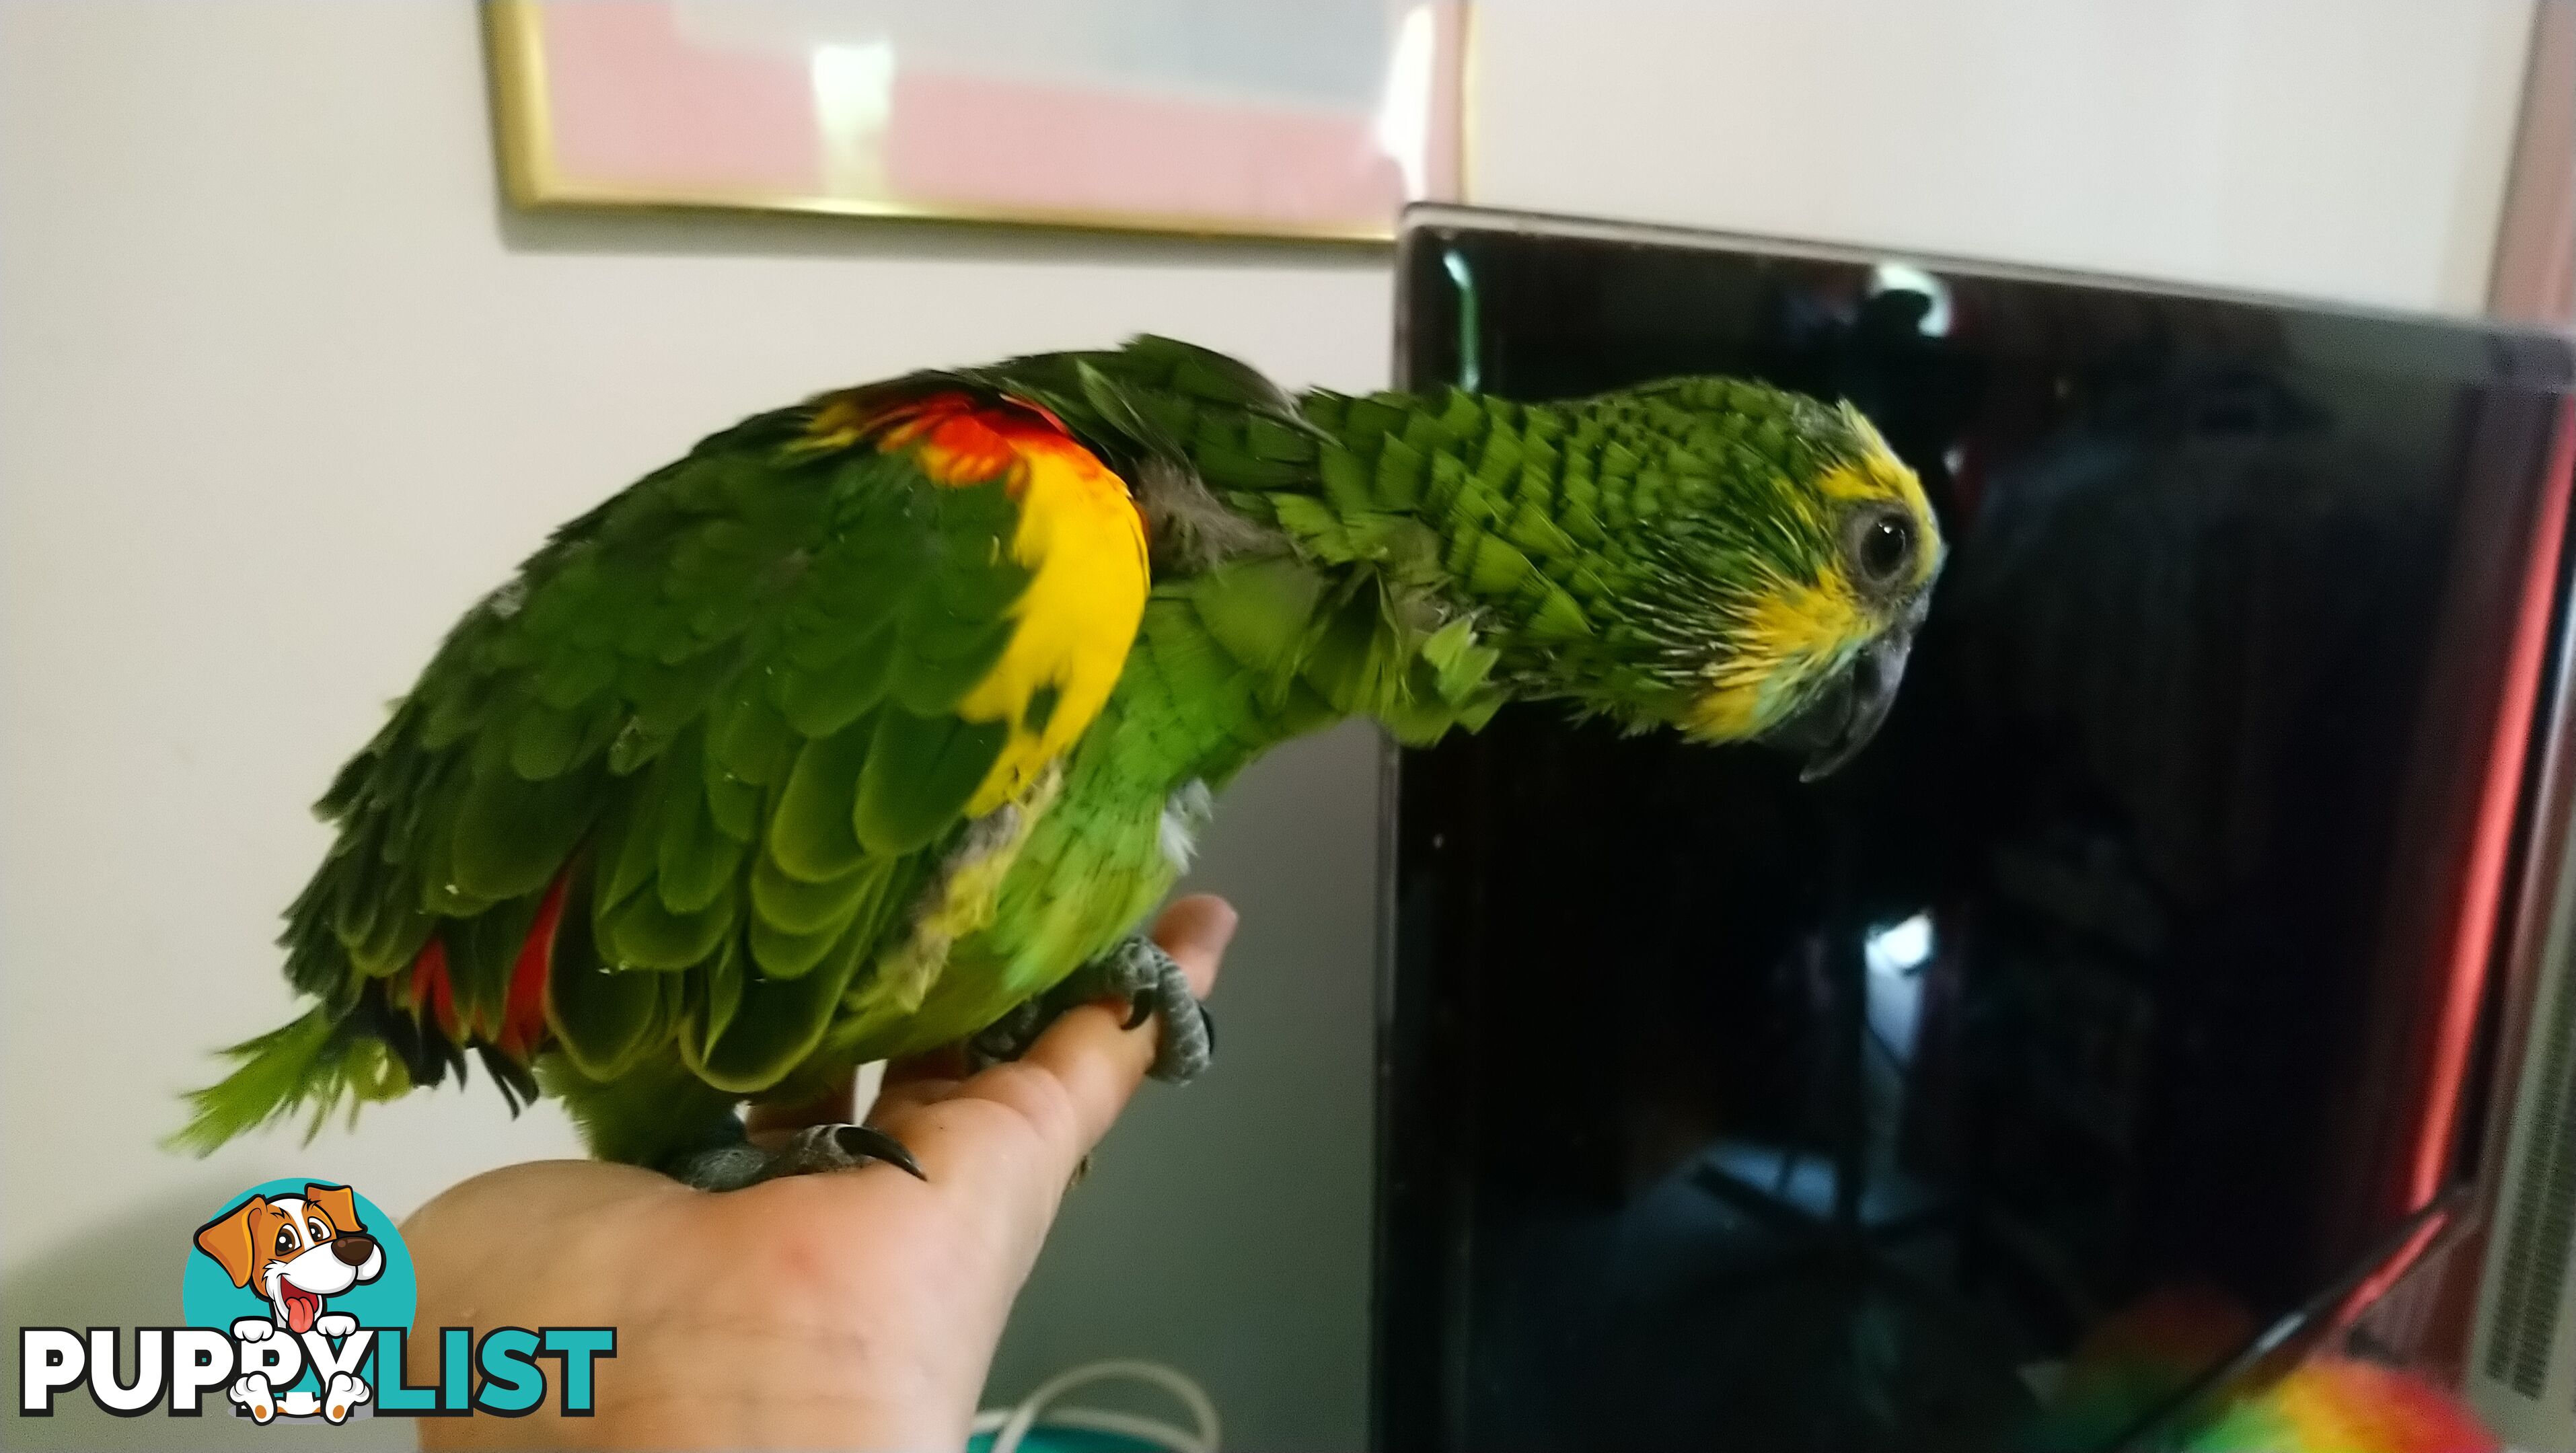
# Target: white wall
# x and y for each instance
(2348, 149)
(281, 391)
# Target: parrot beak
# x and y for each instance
(1835, 723)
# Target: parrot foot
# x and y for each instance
(1137, 971)
(815, 1149)
(1009, 1037)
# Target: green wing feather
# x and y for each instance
(720, 710)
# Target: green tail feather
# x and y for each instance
(317, 1062)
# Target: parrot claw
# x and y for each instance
(1008, 1037)
(1137, 971)
(841, 1147)
(810, 1151)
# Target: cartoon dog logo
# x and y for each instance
(295, 1252)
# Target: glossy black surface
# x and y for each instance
(1729, 1112)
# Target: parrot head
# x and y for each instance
(1767, 574)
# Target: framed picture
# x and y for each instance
(1311, 119)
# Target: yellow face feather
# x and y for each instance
(1796, 631)
(1882, 477)
(1793, 633)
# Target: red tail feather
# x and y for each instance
(429, 987)
(523, 1019)
(522, 1029)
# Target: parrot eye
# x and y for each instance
(1881, 546)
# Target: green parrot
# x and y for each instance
(881, 722)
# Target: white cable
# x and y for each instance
(1011, 1426)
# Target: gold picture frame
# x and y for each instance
(535, 175)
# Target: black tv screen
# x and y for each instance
(2137, 982)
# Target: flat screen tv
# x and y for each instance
(2138, 987)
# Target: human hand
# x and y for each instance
(855, 1309)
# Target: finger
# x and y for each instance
(1090, 1052)
(1195, 931)
(1060, 1097)
(926, 1090)
(835, 1106)
(948, 1062)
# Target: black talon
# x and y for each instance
(868, 1142)
(734, 1163)
(1207, 1026)
(1137, 971)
